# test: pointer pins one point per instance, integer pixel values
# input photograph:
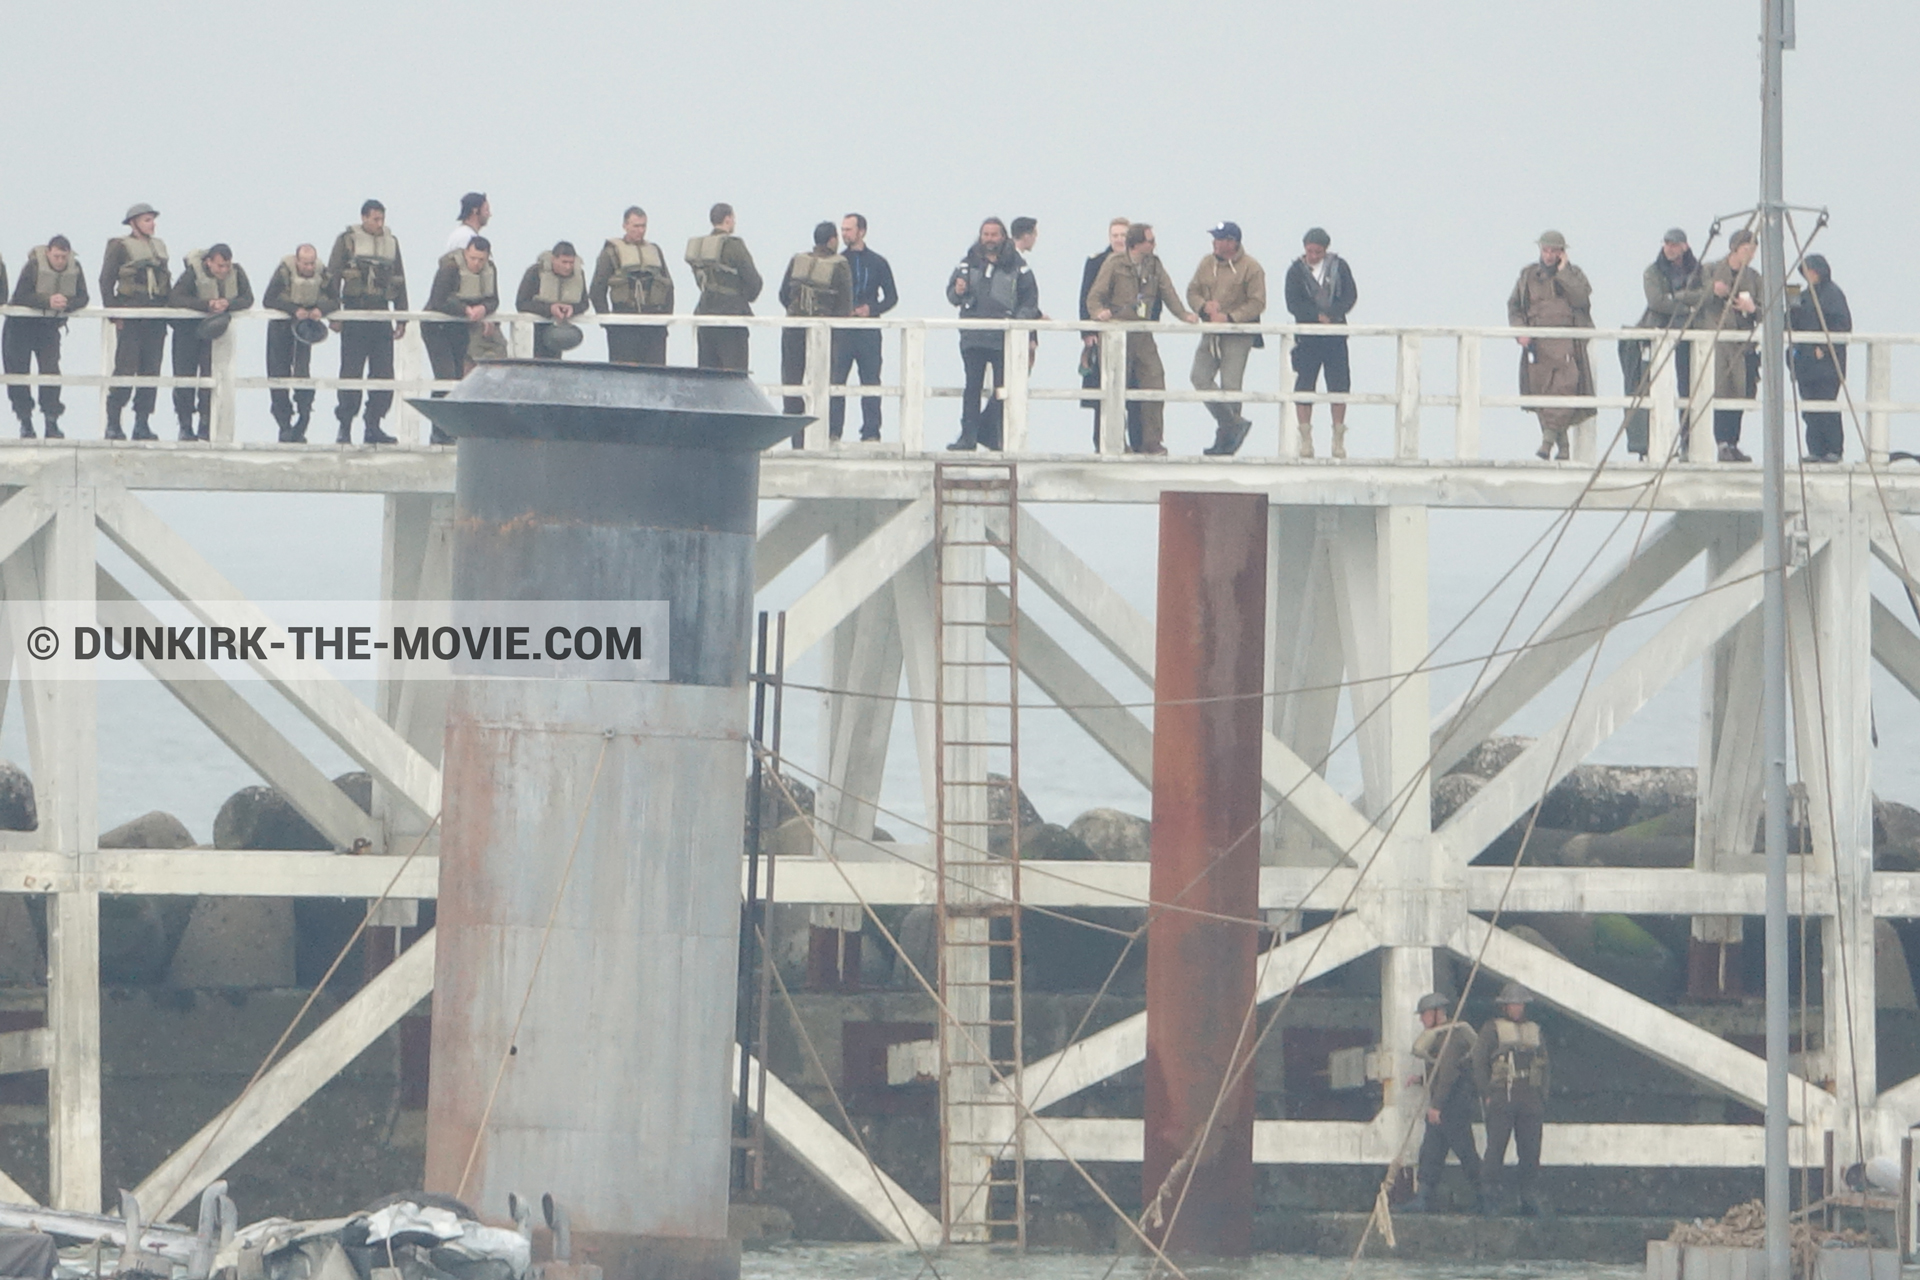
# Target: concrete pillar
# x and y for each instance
(1208, 678)
(582, 482)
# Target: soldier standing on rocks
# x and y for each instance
(1510, 1066)
(1447, 1049)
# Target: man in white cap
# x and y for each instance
(1552, 293)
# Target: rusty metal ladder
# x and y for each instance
(976, 715)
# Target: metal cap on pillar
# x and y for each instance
(588, 482)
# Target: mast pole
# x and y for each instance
(1774, 624)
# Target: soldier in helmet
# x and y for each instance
(366, 274)
(1446, 1048)
(729, 283)
(554, 287)
(212, 282)
(1510, 1065)
(631, 278)
(50, 281)
(134, 273)
(299, 288)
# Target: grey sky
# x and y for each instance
(1433, 140)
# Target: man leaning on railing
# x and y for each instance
(52, 281)
(212, 283)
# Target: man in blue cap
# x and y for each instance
(1228, 287)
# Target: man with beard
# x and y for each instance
(1731, 303)
(1674, 292)
(993, 282)
(1134, 285)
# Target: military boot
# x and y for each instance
(1339, 439)
(967, 443)
(1561, 452)
(1306, 439)
(142, 430)
(1229, 437)
(284, 417)
(26, 425)
(1545, 451)
(186, 427)
(113, 426)
(374, 435)
(1417, 1204)
(345, 434)
(53, 427)
(300, 421)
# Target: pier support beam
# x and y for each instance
(1197, 1179)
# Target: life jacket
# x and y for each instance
(1518, 1057)
(472, 286)
(303, 291)
(369, 274)
(47, 281)
(206, 285)
(143, 276)
(812, 278)
(571, 290)
(640, 275)
(715, 275)
(1426, 1045)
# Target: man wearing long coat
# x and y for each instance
(1553, 294)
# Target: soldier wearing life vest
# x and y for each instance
(729, 283)
(365, 273)
(554, 287)
(214, 284)
(630, 278)
(466, 288)
(1510, 1065)
(134, 273)
(301, 290)
(818, 283)
(50, 281)
(1445, 1050)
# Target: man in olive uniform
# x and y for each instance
(1446, 1048)
(1133, 286)
(556, 288)
(366, 274)
(818, 283)
(50, 281)
(1732, 305)
(467, 288)
(134, 273)
(1228, 287)
(728, 286)
(1553, 294)
(299, 288)
(1510, 1066)
(212, 283)
(630, 278)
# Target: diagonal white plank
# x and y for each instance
(868, 568)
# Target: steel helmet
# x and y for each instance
(1432, 1000)
(310, 331)
(565, 337)
(1514, 993)
(213, 326)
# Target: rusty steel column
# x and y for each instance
(1211, 639)
(599, 483)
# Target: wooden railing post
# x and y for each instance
(1113, 393)
(913, 388)
(1663, 399)
(1466, 414)
(1406, 405)
(225, 413)
(818, 379)
(1879, 393)
(1013, 420)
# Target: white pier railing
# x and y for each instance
(1409, 391)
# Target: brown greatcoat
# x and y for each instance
(1558, 299)
(1731, 369)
